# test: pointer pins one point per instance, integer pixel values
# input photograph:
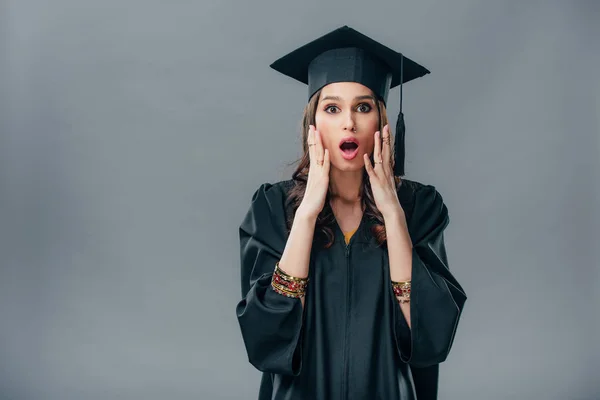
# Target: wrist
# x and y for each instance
(304, 216)
(394, 214)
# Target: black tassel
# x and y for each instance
(400, 131)
(399, 150)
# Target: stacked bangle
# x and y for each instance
(288, 285)
(402, 291)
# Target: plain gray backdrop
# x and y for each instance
(133, 134)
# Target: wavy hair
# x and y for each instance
(326, 218)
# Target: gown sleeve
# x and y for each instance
(437, 299)
(270, 323)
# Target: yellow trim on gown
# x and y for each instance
(348, 235)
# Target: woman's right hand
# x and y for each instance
(318, 176)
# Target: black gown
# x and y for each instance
(352, 340)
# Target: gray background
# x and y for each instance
(133, 134)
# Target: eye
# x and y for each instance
(329, 107)
(366, 107)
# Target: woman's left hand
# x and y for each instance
(381, 176)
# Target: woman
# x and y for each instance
(345, 281)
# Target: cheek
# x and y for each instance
(327, 142)
(322, 122)
(371, 125)
(370, 143)
(326, 129)
(371, 122)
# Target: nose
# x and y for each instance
(349, 124)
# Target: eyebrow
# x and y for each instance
(337, 98)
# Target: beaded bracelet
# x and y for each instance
(288, 285)
(402, 290)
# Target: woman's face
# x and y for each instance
(346, 112)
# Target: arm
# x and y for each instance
(425, 332)
(400, 252)
(296, 255)
(270, 323)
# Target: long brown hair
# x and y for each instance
(326, 219)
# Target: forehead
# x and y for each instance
(345, 90)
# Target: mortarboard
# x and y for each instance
(346, 55)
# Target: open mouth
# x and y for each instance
(349, 148)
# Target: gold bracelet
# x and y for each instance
(291, 287)
(288, 277)
(288, 285)
(402, 289)
(294, 285)
(284, 291)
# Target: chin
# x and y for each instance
(348, 166)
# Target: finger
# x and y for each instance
(386, 150)
(385, 143)
(326, 163)
(318, 147)
(377, 151)
(310, 139)
(368, 166)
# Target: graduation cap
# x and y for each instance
(346, 55)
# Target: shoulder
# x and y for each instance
(409, 186)
(420, 193)
(426, 204)
(266, 217)
(272, 190)
(270, 198)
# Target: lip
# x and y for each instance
(349, 139)
(349, 156)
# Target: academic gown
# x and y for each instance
(351, 341)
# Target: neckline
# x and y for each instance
(343, 235)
